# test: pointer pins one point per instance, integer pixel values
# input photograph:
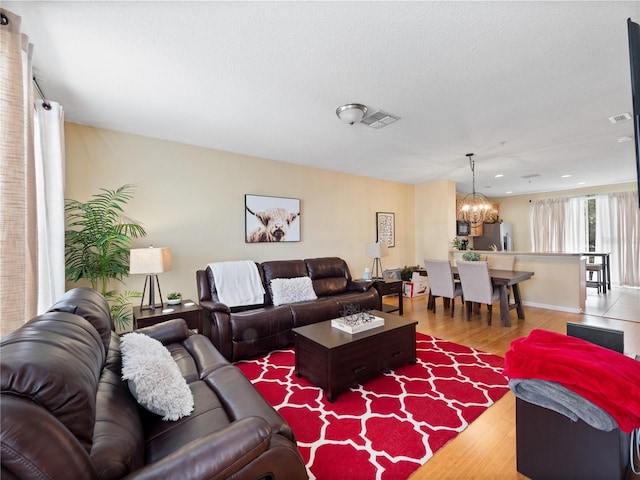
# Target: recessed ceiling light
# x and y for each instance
(565, 176)
(581, 183)
(508, 191)
(499, 175)
(625, 138)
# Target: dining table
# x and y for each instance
(509, 278)
(504, 279)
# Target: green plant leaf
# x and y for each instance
(98, 240)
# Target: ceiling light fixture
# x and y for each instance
(351, 112)
(475, 208)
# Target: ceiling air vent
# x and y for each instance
(379, 119)
(533, 175)
(621, 117)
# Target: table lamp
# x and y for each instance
(150, 261)
(376, 250)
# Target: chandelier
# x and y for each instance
(475, 208)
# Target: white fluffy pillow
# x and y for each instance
(292, 290)
(154, 377)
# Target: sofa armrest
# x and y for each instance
(170, 331)
(213, 306)
(359, 285)
(219, 331)
(218, 455)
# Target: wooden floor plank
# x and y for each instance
(486, 449)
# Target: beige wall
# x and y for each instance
(435, 219)
(517, 209)
(191, 199)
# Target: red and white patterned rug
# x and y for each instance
(393, 424)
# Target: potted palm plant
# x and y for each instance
(97, 244)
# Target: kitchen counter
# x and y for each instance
(558, 283)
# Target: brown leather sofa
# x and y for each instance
(67, 414)
(243, 332)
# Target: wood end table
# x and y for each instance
(188, 310)
(389, 286)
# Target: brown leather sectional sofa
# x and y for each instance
(67, 414)
(243, 332)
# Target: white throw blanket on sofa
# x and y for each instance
(238, 283)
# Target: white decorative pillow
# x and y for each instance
(292, 290)
(154, 377)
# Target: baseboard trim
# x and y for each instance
(558, 308)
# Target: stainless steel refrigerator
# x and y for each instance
(498, 234)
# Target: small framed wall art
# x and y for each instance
(271, 219)
(386, 228)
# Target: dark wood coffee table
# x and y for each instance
(335, 360)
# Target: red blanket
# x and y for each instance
(609, 379)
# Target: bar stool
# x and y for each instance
(597, 268)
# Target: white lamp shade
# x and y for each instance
(149, 260)
(376, 250)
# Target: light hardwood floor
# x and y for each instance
(487, 448)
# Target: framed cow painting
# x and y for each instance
(271, 219)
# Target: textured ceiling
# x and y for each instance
(527, 86)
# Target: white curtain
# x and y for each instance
(604, 233)
(577, 228)
(560, 225)
(548, 224)
(49, 162)
(623, 237)
(29, 180)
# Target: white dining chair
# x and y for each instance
(501, 262)
(476, 285)
(441, 282)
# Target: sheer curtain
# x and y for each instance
(560, 225)
(577, 228)
(26, 180)
(548, 224)
(49, 163)
(621, 236)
